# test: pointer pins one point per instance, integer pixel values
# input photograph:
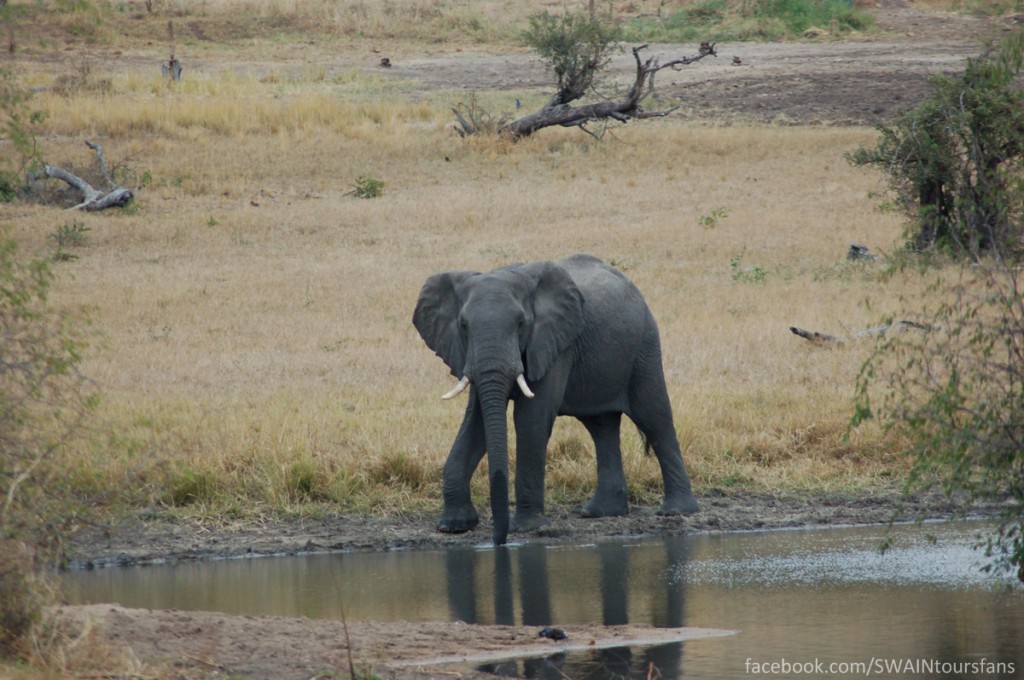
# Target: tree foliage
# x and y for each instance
(954, 163)
(954, 388)
(955, 392)
(575, 46)
(43, 400)
(19, 123)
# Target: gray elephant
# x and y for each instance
(573, 338)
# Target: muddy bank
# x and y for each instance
(160, 539)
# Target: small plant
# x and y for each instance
(212, 222)
(399, 469)
(303, 482)
(188, 487)
(754, 274)
(68, 235)
(369, 187)
(711, 220)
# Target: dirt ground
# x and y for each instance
(860, 81)
(161, 541)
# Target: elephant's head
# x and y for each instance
(496, 331)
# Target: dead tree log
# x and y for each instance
(829, 341)
(93, 198)
(558, 112)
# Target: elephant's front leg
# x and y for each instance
(459, 515)
(533, 421)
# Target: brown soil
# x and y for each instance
(863, 80)
(208, 644)
(859, 81)
(150, 541)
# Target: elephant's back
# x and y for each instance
(618, 331)
(607, 292)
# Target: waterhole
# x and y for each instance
(807, 603)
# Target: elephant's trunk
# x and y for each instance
(493, 395)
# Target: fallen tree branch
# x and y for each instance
(93, 198)
(829, 341)
(556, 112)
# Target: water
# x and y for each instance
(821, 601)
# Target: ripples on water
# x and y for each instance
(809, 596)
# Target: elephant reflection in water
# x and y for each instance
(468, 582)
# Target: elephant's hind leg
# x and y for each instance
(609, 499)
(652, 414)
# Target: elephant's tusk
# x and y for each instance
(521, 381)
(458, 389)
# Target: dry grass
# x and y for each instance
(256, 348)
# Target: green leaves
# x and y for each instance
(19, 124)
(953, 397)
(954, 163)
(575, 46)
(43, 400)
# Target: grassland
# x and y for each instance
(253, 341)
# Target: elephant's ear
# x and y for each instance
(437, 318)
(558, 316)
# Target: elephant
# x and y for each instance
(573, 337)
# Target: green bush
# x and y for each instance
(954, 163)
(576, 46)
(954, 390)
(43, 404)
(369, 187)
(19, 124)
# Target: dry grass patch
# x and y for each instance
(258, 349)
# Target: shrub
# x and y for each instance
(575, 46)
(18, 124)
(955, 392)
(68, 235)
(22, 597)
(954, 162)
(369, 187)
(43, 402)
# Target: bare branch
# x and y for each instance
(93, 198)
(825, 340)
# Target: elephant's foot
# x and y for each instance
(458, 520)
(681, 504)
(611, 504)
(529, 522)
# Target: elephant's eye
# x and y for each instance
(463, 326)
